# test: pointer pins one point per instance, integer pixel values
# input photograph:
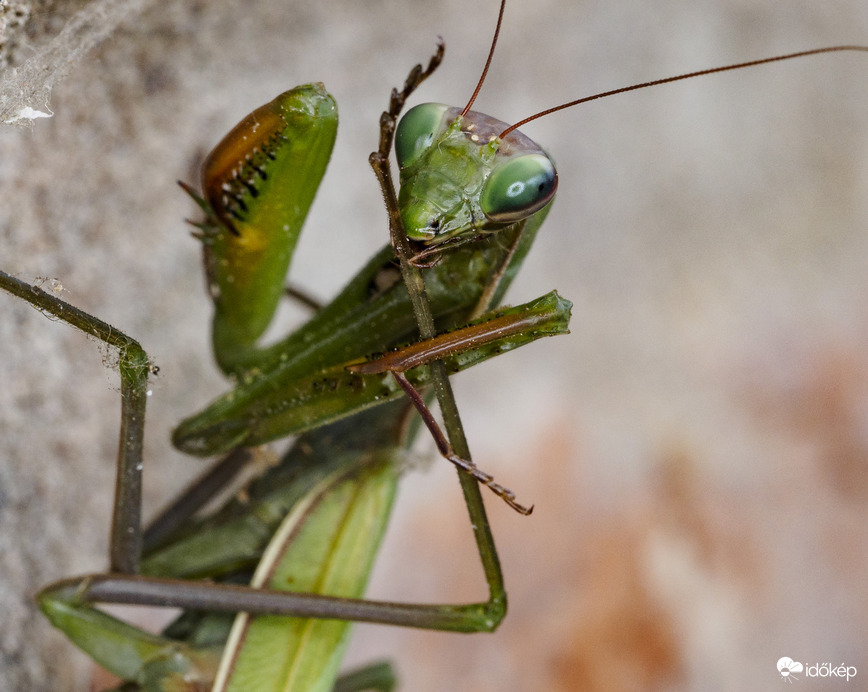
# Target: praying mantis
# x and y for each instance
(555, 154)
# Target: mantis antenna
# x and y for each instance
(487, 61)
(677, 78)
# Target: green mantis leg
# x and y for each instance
(68, 603)
(496, 605)
(126, 536)
(553, 315)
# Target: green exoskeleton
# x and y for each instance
(327, 503)
(350, 382)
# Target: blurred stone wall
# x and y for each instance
(696, 449)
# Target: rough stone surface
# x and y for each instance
(695, 449)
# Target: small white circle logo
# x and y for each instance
(787, 666)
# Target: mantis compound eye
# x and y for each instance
(518, 188)
(417, 130)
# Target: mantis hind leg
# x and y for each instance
(134, 366)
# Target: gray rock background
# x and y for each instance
(696, 449)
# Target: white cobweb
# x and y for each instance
(25, 90)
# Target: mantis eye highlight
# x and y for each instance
(518, 188)
(417, 130)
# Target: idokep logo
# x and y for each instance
(787, 667)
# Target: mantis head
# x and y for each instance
(460, 178)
